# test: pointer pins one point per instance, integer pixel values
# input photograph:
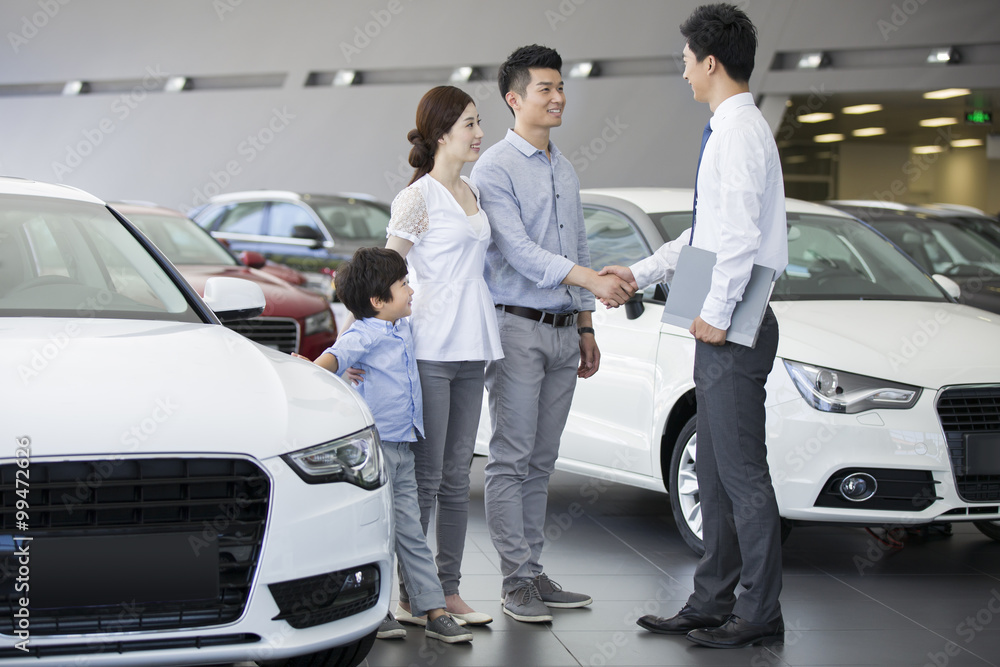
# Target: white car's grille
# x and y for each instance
(279, 333)
(212, 512)
(970, 417)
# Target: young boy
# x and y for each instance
(374, 288)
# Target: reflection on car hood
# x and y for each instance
(125, 387)
(281, 298)
(926, 344)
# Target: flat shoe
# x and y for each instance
(473, 618)
(404, 616)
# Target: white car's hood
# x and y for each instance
(925, 344)
(120, 387)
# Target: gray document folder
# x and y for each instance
(690, 286)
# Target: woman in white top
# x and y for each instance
(439, 227)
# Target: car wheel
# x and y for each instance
(990, 529)
(349, 655)
(685, 501)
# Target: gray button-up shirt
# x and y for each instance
(534, 208)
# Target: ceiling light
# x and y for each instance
(868, 131)
(814, 117)
(75, 88)
(858, 109)
(938, 122)
(581, 70)
(966, 143)
(460, 75)
(813, 60)
(947, 55)
(927, 150)
(175, 84)
(345, 77)
(946, 93)
(828, 138)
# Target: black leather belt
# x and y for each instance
(555, 319)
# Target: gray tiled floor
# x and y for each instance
(846, 601)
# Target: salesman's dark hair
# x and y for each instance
(515, 74)
(726, 32)
(371, 272)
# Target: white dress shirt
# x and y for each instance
(741, 210)
(454, 318)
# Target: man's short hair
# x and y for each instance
(371, 272)
(726, 32)
(515, 74)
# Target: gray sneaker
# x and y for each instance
(553, 595)
(390, 629)
(525, 604)
(444, 628)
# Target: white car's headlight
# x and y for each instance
(356, 459)
(837, 391)
(321, 321)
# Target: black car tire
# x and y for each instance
(990, 529)
(682, 465)
(349, 655)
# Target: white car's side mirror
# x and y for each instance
(948, 285)
(234, 298)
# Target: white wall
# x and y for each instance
(171, 148)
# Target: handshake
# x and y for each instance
(613, 285)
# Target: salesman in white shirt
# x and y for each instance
(739, 214)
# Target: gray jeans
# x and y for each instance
(416, 563)
(530, 391)
(453, 401)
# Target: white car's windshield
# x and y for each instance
(74, 259)
(835, 258)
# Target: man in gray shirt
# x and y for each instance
(537, 269)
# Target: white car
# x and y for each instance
(883, 405)
(173, 493)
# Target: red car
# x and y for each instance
(294, 320)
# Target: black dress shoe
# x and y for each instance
(686, 620)
(737, 633)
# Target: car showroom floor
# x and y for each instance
(846, 601)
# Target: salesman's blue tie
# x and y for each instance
(694, 210)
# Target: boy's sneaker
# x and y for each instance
(525, 604)
(444, 628)
(404, 616)
(390, 629)
(553, 595)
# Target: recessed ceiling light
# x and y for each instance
(862, 108)
(460, 75)
(74, 88)
(938, 122)
(946, 55)
(946, 93)
(868, 131)
(345, 77)
(927, 150)
(581, 70)
(966, 143)
(813, 60)
(814, 117)
(175, 84)
(828, 138)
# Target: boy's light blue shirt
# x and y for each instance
(391, 387)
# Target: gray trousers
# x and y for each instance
(416, 563)
(740, 523)
(453, 401)
(530, 391)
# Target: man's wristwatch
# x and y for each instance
(583, 330)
